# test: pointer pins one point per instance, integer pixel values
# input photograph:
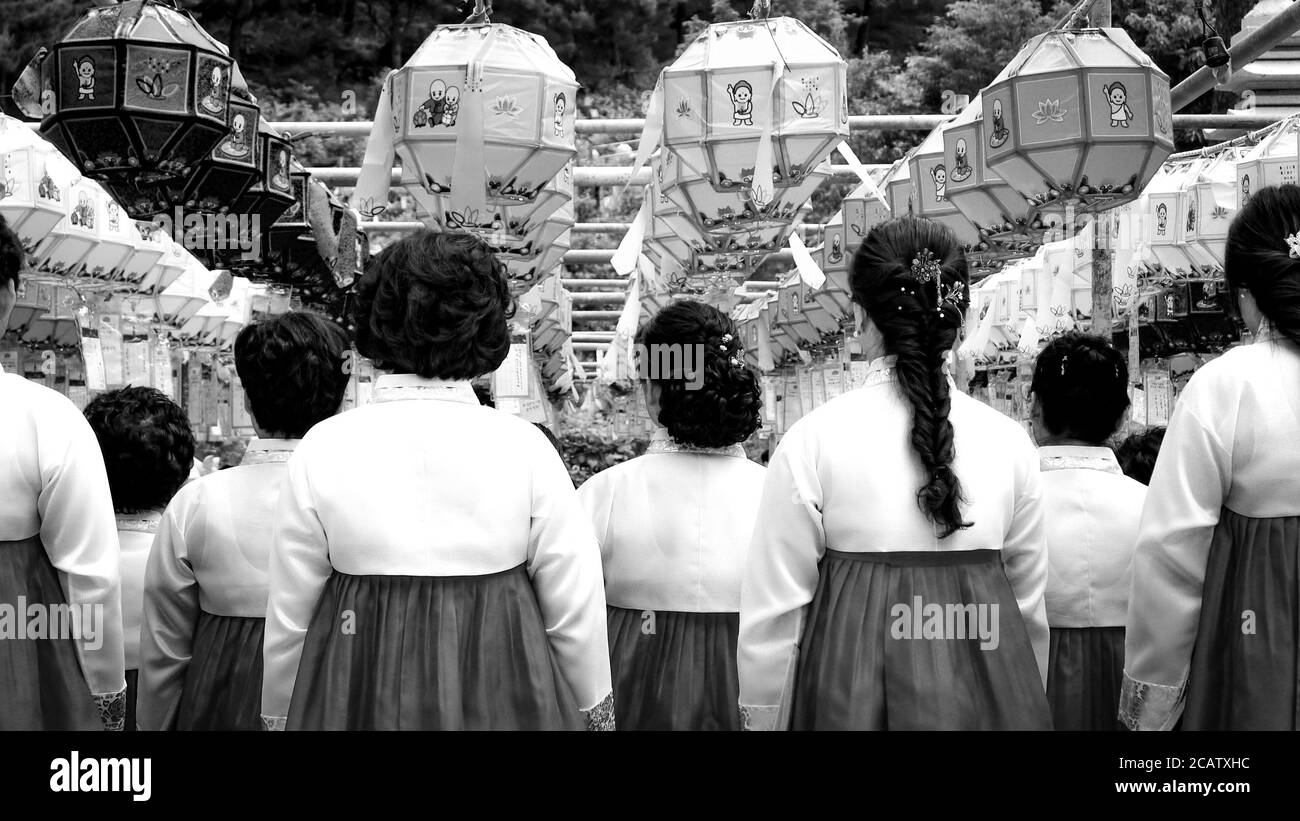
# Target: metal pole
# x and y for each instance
(1243, 51)
(1102, 258)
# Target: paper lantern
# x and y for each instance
(669, 219)
(1215, 195)
(899, 189)
(925, 169)
(791, 315)
(118, 238)
(539, 252)
(861, 210)
(135, 92)
(34, 178)
(1006, 223)
(147, 254)
(75, 236)
(755, 89)
(486, 106)
(1169, 207)
(1272, 161)
(272, 192)
(225, 175)
(1079, 119)
(174, 262)
(180, 301)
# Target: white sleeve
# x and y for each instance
(1024, 553)
(299, 567)
(79, 533)
(565, 567)
(597, 496)
(1191, 479)
(779, 581)
(171, 611)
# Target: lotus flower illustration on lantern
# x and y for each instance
(481, 114)
(1078, 120)
(754, 93)
(135, 94)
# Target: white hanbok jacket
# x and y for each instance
(674, 526)
(210, 556)
(424, 481)
(845, 478)
(1232, 442)
(53, 484)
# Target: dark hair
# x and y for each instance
(484, 395)
(722, 407)
(12, 255)
(919, 321)
(292, 369)
(1259, 259)
(437, 305)
(1081, 383)
(1137, 454)
(147, 444)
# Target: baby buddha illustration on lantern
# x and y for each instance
(1117, 98)
(940, 176)
(1245, 189)
(1191, 218)
(211, 101)
(1000, 132)
(83, 214)
(236, 145)
(430, 111)
(85, 68)
(280, 178)
(961, 169)
(742, 103)
(451, 107)
(561, 103)
(1162, 219)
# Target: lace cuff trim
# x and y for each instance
(112, 710)
(274, 723)
(1144, 706)
(601, 717)
(754, 717)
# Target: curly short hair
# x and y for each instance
(1137, 454)
(437, 305)
(147, 445)
(292, 370)
(1081, 383)
(718, 410)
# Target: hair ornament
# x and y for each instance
(1064, 360)
(925, 268)
(1293, 243)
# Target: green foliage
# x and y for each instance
(587, 453)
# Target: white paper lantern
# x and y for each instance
(34, 179)
(481, 113)
(1270, 162)
(1215, 195)
(926, 170)
(752, 93)
(1168, 206)
(1078, 120)
(734, 210)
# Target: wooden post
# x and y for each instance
(1099, 16)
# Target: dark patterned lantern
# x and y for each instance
(136, 94)
(225, 175)
(1079, 119)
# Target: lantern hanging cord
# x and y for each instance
(759, 12)
(1207, 28)
(1253, 138)
(482, 11)
(1077, 17)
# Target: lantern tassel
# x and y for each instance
(469, 177)
(809, 271)
(858, 168)
(761, 187)
(376, 177)
(651, 134)
(765, 361)
(624, 260)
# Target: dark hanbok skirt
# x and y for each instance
(42, 686)
(674, 671)
(872, 659)
(1085, 668)
(1244, 663)
(430, 653)
(223, 684)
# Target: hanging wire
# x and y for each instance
(482, 11)
(760, 12)
(1076, 17)
(1253, 138)
(1207, 28)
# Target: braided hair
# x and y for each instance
(722, 407)
(909, 276)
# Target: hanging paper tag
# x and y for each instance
(806, 397)
(1159, 397)
(818, 386)
(651, 135)
(469, 176)
(626, 258)
(1138, 414)
(92, 354)
(135, 363)
(110, 342)
(833, 376)
(511, 379)
(761, 189)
